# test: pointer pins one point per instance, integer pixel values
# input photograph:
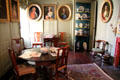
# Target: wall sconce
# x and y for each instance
(114, 29)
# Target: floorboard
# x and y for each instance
(75, 58)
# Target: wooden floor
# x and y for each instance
(82, 58)
(85, 57)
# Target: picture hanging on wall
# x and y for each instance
(64, 12)
(106, 11)
(4, 11)
(49, 12)
(34, 12)
(14, 11)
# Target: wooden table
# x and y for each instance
(45, 59)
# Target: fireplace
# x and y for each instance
(117, 52)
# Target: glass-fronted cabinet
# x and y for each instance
(82, 26)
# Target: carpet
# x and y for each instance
(86, 72)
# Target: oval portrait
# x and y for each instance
(106, 11)
(34, 12)
(64, 13)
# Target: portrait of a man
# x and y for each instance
(64, 12)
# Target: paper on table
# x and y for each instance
(25, 55)
(29, 54)
(35, 54)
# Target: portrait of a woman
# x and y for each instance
(34, 12)
(106, 11)
(49, 12)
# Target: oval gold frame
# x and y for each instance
(69, 16)
(110, 10)
(40, 11)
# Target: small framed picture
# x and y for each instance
(4, 11)
(106, 10)
(14, 10)
(64, 12)
(49, 12)
(34, 12)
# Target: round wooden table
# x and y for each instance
(45, 59)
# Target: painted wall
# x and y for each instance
(12, 30)
(7, 31)
(28, 27)
(50, 26)
(104, 30)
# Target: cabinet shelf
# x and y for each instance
(82, 12)
(82, 35)
(83, 20)
(81, 28)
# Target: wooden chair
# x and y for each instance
(38, 39)
(17, 45)
(60, 67)
(20, 70)
(62, 41)
(100, 47)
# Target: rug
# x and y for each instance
(86, 72)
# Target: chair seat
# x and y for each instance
(97, 50)
(22, 69)
(62, 44)
(37, 43)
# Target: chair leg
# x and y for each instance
(17, 77)
(56, 76)
(35, 76)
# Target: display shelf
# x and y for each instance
(83, 35)
(83, 20)
(82, 12)
(76, 28)
(82, 24)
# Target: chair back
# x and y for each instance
(102, 44)
(38, 40)
(13, 59)
(62, 59)
(62, 36)
(17, 45)
(38, 36)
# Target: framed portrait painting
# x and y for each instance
(14, 11)
(106, 10)
(64, 12)
(34, 12)
(49, 12)
(4, 11)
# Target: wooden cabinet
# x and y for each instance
(82, 25)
